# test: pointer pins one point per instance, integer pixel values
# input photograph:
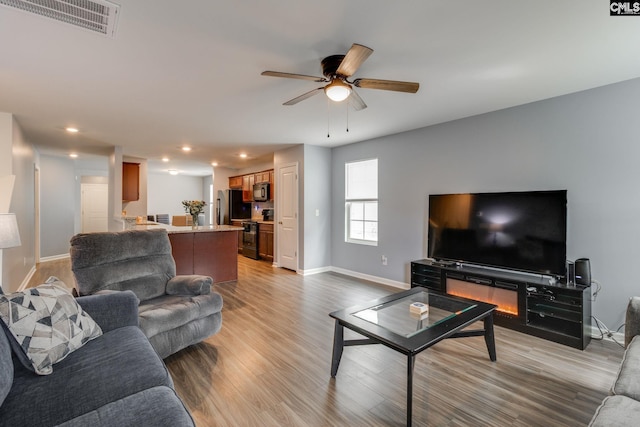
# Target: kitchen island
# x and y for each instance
(210, 250)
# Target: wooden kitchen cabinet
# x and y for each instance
(272, 192)
(182, 251)
(235, 182)
(240, 243)
(247, 187)
(261, 177)
(265, 241)
(130, 182)
(246, 182)
(209, 253)
(215, 255)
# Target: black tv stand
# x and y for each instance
(438, 263)
(529, 303)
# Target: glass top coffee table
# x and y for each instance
(392, 322)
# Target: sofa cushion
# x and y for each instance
(111, 309)
(189, 284)
(173, 340)
(632, 320)
(157, 406)
(171, 311)
(616, 411)
(627, 380)
(47, 323)
(112, 367)
(6, 366)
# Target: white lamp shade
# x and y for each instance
(337, 90)
(9, 235)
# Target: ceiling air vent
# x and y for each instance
(98, 16)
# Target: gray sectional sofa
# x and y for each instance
(116, 379)
(622, 407)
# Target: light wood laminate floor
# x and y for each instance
(270, 365)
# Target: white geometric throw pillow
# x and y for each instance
(47, 323)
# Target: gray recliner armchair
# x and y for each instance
(175, 311)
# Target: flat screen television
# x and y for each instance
(515, 230)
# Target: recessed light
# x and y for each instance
(73, 155)
(71, 129)
(243, 155)
(173, 172)
(214, 164)
(186, 148)
(165, 159)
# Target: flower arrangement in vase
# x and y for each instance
(194, 208)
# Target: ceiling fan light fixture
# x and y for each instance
(337, 90)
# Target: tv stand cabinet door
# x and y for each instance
(429, 276)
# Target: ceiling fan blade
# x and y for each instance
(353, 59)
(293, 76)
(304, 96)
(356, 101)
(409, 87)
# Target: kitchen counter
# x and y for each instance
(171, 229)
(210, 250)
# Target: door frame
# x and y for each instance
(36, 213)
(278, 217)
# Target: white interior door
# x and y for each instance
(287, 213)
(94, 200)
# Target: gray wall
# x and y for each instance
(166, 192)
(586, 143)
(58, 204)
(316, 209)
(17, 262)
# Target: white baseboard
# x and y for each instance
(54, 257)
(311, 271)
(31, 272)
(376, 279)
(26, 279)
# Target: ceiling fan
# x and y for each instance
(337, 69)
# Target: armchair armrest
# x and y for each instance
(193, 284)
(111, 310)
(632, 321)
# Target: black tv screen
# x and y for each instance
(515, 230)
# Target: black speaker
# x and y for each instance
(571, 273)
(583, 271)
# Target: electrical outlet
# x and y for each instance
(383, 259)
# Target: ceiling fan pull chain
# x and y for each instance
(347, 107)
(328, 119)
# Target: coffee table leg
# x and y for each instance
(489, 338)
(338, 345)
(410, 364)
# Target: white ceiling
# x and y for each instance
(189, 72)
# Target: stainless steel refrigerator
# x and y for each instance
(229, 207)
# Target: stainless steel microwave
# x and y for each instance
(261, 192)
